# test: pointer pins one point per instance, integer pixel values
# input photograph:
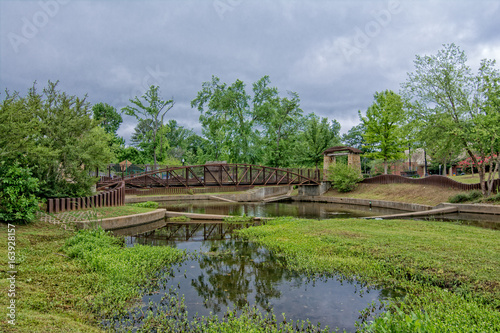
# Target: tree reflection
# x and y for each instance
(235, 270)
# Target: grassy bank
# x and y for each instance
(65, 282)
(409, 193)
(451, 273)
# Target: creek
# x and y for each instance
(228, 273)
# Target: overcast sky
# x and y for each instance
(334, 54)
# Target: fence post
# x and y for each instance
(50, 206)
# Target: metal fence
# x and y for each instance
(110, 198)
(430, 180)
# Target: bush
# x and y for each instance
(147, 204)
(343, 177)
(494, 198)
(465, 197)
(18, 200)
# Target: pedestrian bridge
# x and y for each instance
(217, 175)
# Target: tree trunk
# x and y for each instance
(444, 169)
(385, 166)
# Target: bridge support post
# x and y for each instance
(314, 190)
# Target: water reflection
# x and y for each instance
(226, 272)
(313, 210)
(316, 210)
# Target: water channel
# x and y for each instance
(229, 273)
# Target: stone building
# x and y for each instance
(330, 157)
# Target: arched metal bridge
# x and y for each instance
(217, 175)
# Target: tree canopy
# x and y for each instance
(54, 135)
(383, 127)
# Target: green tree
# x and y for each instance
(226, 120)
(18, 193)
(445, 94)
(110, 120)
(318, 135)
(383, 123)
(108, 117)
(152, 110)
(280, 120)
(354, 137)
(53, 134)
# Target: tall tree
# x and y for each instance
(280, 119)
(383, 123)
(109, 118)
(53, 134)
(318, 135)
(444, 93)
(226, 120)
(354, 137)
(153, 108)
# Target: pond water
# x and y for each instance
(229, 273)
(315, 210)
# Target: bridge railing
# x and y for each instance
(219, 175)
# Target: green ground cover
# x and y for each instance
(450, 273)
(68, 282)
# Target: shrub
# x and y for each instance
(18, 200)
(494, 198)
(147, 204)
(466, 196)
(343, 177)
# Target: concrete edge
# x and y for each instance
(197, 216)
(119, 222)
(366, 202)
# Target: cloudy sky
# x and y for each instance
(334, 54)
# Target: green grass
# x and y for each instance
(105, 212)
(451, 273)
(471, 179)
(56, 293)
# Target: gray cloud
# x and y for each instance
(335, 54)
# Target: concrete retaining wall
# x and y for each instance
(364, 202)
(256, 194)
(474, 208)
(123, 221)
(314, 190)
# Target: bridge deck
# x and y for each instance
(218, 175)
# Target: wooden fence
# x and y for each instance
(184, 190)
(110, 198)
(430, 180)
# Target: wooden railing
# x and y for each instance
(430, 180)
(109, 198)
